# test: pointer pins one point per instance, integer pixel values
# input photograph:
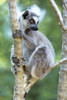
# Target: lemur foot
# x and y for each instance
(15, 60)
(17, 34)
(19, 63)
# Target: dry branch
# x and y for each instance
(58, 13)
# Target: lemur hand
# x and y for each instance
(17, 34)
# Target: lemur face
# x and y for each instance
(30, 20)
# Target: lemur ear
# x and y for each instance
(25, 14)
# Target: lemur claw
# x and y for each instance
(17, 34)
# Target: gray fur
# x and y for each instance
(37, 49)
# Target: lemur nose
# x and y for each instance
(34, 27)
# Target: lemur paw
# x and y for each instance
(17, 34)
(19, 63)
(15, 60)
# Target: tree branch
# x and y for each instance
(33, 80)
(58, 63)
(18, 88)
(58, 13)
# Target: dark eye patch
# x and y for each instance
(32, 21)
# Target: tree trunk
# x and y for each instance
(62, 88)
(18, 88)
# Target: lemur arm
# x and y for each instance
(30, 42)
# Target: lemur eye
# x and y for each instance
(31, 21)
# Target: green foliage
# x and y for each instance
(46, 88)
(6, 84)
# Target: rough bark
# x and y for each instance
(62, 88)
(18, 93)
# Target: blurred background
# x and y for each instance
(45, 89)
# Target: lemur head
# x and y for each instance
(29, 20)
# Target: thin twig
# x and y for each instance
(58, 13)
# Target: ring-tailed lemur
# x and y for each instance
(37, 49)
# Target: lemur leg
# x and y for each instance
(39, 62)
